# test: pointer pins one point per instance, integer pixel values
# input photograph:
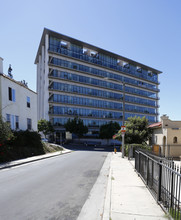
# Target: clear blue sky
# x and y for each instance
(148, 32)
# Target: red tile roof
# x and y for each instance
(158, 124)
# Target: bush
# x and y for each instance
(136, 146)
(5, 131)
(24, 144)
(27, 138)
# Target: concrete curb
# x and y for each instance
(107, 203)
(31, 159)
(93, 208)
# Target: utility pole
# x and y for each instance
(123, 129)
(123, 102)
(123, 133)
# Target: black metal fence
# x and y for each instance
(163, 177)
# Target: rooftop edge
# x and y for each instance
(81, 43)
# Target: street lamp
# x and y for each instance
(123, 133)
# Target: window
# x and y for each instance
(17, 122)
(8, 118)
(11, 93)
(12, 122)
(28, 102)
(175, 140)
(155, 139)
(74, 66)
(29, 123)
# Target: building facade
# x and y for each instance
(75, 78)
(18, 104)
(167, 137)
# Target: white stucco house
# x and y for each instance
(18, 103)
(167, 137)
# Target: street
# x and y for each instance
(92, 148)
(54, 188)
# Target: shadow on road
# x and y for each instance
(80, 147)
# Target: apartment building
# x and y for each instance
(18, 103)
(75, 78)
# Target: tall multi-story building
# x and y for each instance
(75, 78)
(18, 103)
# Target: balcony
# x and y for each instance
(95, 60)
(139, 111)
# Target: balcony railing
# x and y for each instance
(96, 61)
(127, 91)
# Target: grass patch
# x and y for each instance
(176, 214)
(50, 148)
(112, 178)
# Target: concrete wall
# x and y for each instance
(167, 123)
(175, 148)
(43, 82)
(175, 151)
(19, 107)
(157, 136)
(173, 133)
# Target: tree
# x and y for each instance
(5, 131)
(76, 126)
(45, 126)
(108, 130)
(137, 131)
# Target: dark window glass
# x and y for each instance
(17, 122)
(29, 123)
(28, 102)
(10, 93)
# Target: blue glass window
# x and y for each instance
(76, 51)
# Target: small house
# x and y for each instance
(166, 137)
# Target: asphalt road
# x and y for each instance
(52, 189)
(91, 148)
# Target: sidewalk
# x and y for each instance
(32, 159)
(127, 197)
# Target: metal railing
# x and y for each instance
(163, 177)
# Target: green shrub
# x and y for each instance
(175, 213)
(136, 146)
(24, 144)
